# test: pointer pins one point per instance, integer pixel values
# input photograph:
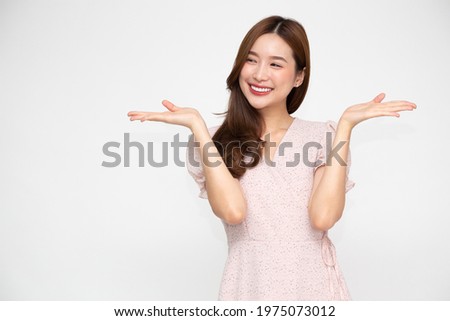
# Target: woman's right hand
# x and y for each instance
(184, 116)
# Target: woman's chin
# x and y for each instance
(257, 104)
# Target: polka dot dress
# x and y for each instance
(275, 254)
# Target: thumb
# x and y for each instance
(379, 98)
(169, 105)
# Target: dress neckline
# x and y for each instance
(282, 140)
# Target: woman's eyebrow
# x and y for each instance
(272, 57)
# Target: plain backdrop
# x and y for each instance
(72, 229)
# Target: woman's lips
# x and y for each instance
(259, 91)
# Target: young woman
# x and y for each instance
(277, 182)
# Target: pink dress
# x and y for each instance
(275, 254)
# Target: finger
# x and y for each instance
(135, 117)
(398, 103)
(155, 116)
(379, 98)
(385, 113)
(138, 116)
(400, 108)
(405, 102)
(133, 113)
(169, 105)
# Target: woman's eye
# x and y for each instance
(276, 65)
(250, 60)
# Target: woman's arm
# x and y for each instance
(327, 199)
(225, 194)
(224, 191)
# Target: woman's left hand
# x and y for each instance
(355, 114)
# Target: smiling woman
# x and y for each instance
(272, 70)
(276, 217)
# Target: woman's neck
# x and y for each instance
(274, 122)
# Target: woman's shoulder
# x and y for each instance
(314, 123)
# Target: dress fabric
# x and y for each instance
(275, 254)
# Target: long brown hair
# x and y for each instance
(239, 135)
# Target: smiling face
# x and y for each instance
(270, 73)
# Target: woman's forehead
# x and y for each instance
(271, 45)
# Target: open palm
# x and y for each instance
(183, 116)
(355, 114)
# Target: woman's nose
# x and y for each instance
(260, 73)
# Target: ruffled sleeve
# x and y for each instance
(330, 126)
(194, 165)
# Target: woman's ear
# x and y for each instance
(300, 77)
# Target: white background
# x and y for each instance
(70, 71)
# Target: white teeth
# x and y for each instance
(261, 90)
